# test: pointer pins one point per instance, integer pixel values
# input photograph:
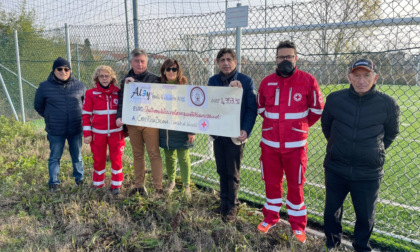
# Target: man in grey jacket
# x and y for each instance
(359, 123)
(59, 100)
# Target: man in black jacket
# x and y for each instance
(59, 100)
(359, 124)
(228, 151)
(141, 138)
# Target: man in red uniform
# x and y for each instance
(290, 102)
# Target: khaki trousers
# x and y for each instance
(139, 137)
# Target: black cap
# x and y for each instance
(59, 62)
(363, 63)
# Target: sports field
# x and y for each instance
(399, 205)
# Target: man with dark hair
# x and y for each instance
(59, 100)
(290, 102)
(141, 137)
(229, 151)
(359, 123)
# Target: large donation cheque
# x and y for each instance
(198, 109)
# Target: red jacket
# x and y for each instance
(289, 107)
(100, 111)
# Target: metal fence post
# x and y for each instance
(127, 32)
(22, 106)
(211, 73)
(8, 98)
(238, 44)
(417, 73)
(77, 61)
(68, 44)
(135, 21)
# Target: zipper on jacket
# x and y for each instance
(276, 101)
(290, 96)
(355, 129)
(107, 112)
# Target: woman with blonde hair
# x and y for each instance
(100, 130)
(176, 143)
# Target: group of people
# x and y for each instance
(359, 124)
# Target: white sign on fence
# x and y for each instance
(198, 109)
(236, 17)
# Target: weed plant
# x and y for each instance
(86, 219)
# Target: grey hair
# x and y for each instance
(137, 52)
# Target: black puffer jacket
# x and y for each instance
(358, 130)
(146, 77)
(60, 103)
(172, 139)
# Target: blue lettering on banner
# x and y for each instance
(140, 93)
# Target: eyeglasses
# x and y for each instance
(173, 69)
(63, 68)
(104, 76)
(287, 57)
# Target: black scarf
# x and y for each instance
(226, 79)
(102, 86)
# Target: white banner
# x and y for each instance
(198, 109)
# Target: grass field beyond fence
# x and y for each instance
(398, 208)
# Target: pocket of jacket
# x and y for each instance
(299, 130)
(270, 128)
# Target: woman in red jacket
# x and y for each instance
(100, 130)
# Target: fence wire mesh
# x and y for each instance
(329, 36)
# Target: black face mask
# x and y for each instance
(286, 68)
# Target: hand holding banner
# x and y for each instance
(198, 109)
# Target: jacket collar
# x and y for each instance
(103, 90)
(52, 78)
(137, 76)
(366, 96)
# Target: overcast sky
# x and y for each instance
(54, 13)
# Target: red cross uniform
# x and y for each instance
(289, 106)
(99, 121)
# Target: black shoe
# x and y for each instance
(54, 187)
(79, 182)
(115, 191)
(220, 210)
(141, 191)
(230, 215)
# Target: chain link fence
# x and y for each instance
(329, 37)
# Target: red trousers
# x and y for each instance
(99, 145)
(274, 165)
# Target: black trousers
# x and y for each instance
(364, 195)
(228, 161)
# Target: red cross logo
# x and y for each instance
(203, 124)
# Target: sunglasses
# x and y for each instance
(63, 68)
(173, 69)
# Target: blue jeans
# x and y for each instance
(56, 151)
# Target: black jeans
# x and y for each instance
(364, 194)
(228, 161)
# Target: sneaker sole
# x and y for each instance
(267, 229)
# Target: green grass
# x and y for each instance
(84, 219)
(401, 184)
